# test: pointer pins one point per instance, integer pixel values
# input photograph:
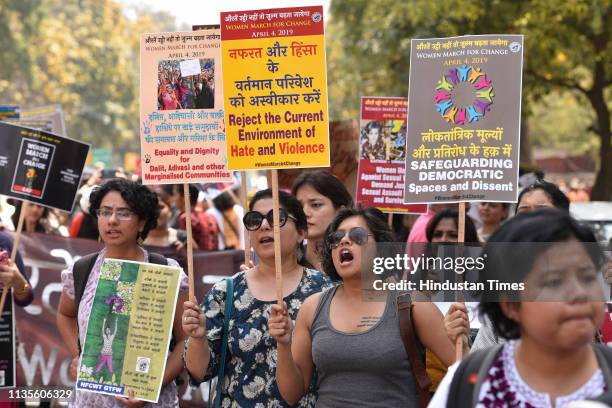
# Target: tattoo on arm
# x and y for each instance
(368, 321)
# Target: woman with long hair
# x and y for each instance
(322, 195)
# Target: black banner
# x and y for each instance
(7, 345)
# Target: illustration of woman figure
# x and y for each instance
(373, 147)
(106, 355)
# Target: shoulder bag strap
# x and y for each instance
(410, 340)
(604, 358)
(472, 372)
(229, 307)
(157, 259)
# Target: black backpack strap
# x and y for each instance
(604, 358)
(157, 259)
(80, 274)
(469, 376)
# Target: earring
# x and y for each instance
(139, 240)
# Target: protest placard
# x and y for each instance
(40, 124)
(47, 113)
(9, 112)
(131, 162)
(102, 155)
(182, 138)
(128, 335)
(275, 99)
(382, 155)
(190, 67)
(275, 86)
(464, 119)
(40, 167)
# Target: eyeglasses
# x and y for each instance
(357, 234)
(253, 219)
(123, 214)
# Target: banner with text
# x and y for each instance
(51, 114)
(382, 157)
(182, 136)
(275, 88)
(9, 112)
(8, 365)
(129, 329)
(40, 167)
(464, 119)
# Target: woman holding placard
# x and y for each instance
(247, 374)
(359, 346)
(12, 273)
(322, 195)
(125, 213)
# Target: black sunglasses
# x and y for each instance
(253, 219)
(357, 234)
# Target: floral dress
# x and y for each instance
(168, 396)
(251, 362)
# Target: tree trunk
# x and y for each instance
(525, 153)
(602, 189)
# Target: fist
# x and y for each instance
(4, 257)
(280, 324)
(73, 369)
(193, 320)
(457, 322)
(245, 267)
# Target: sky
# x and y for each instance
(192, 12)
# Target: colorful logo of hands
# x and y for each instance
(454, 81)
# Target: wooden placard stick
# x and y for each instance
(390, 220)
(277, 246)
(458, 294)
(5, 291)
(189, 243)
(247, 236)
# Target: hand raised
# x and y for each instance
(280, 324)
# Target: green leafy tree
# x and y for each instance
(568, 48)
(82, 54)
